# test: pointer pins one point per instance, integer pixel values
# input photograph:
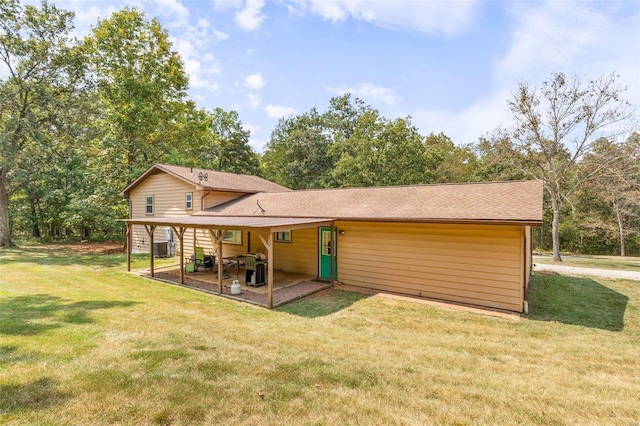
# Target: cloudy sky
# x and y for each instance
(450, 65)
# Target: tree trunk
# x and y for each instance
(35, 229)
(616, 207)
(555, 228)
(5, 230)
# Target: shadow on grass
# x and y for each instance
(35, 395)
(324, 303)
(577, 301)
(11, 354)
(62, 257)
(30, 315)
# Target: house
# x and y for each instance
(468, 243)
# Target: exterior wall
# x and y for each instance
(169, 201)
(301, 255)
(476, 264)
(213, 199)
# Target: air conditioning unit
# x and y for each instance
(160, 249)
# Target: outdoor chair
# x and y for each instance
(199, 260)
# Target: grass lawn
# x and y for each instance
(599, 262)
(83, 342)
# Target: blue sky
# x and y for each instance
(450, 65)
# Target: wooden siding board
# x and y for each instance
(301, 255)
(477, 264)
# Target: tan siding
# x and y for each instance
(169, 201)
(475, 264)
(216, 198)
(301, 255)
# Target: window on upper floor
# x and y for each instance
(149, 204)
(188, 200)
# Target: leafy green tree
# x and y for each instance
(143, 117)
(231, 144)
(556, 126)
(497, 160)
(380, 152)
(43, 76)
(447, 163)
(141, 89)
(297, 155)
(612, 199)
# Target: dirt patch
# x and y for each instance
(89, 247)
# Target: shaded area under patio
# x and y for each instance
(287, 286)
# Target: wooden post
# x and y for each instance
(216, 238)
(268, 244)
(128, 247)
(150, 230)
(180, 233)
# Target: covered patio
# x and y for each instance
(284, 285)
(287, 286)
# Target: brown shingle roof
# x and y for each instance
(215, 180)
(517, 201)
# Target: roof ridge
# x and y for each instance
(416, 185)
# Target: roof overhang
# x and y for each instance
(271, 224)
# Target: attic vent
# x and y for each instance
(203, 177)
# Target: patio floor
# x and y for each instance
(287, 286)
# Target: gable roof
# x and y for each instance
(211, 180)
(505, 202)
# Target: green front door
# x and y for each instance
(328, 251)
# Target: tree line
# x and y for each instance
(80, 119)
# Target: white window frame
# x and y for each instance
(147, 205)
(235, 238)
(283, 237)
(188, 200)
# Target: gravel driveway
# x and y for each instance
(572, 270)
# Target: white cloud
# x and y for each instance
(254, 82)
(370, 92)
(250, 17)
(222, 5)
(278, 111)
(466, 126)
(435, 16)
(577, 38)
(173, 8)
(220, 36)
(254, 100)
(252, 129)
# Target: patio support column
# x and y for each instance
(268, 244)
(180, 233)
(216, 237)
(128, 235)
(150, 230)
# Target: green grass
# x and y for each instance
(599, 262)
(83, 342)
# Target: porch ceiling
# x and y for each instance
(272, 224)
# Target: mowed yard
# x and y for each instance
(83, 342)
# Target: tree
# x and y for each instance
(141, 89)
(43, 73)
(380, 152)
(143, 117)
(447, 163)
(617, 185)
(231, 143)
(556, 126)
(298, 153)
